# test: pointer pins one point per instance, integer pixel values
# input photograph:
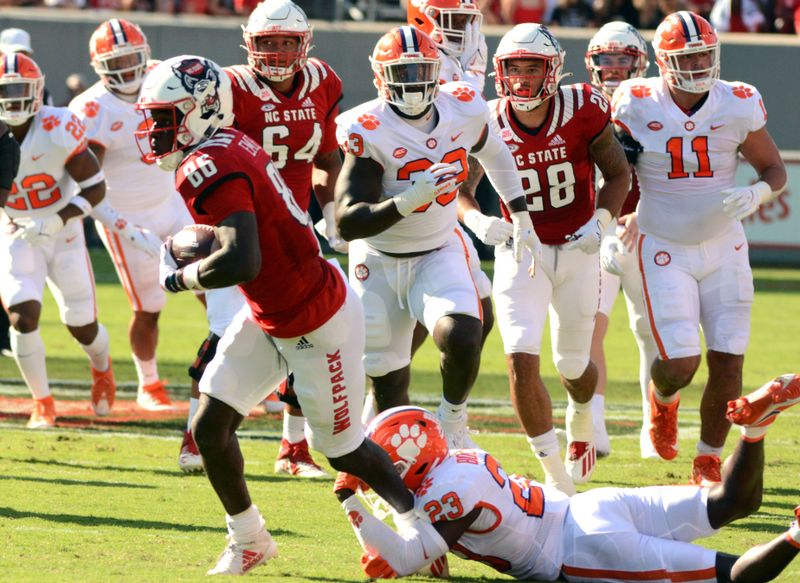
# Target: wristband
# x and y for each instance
(92, 180)
(191, 276)
(83, 204)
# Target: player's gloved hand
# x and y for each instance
(474, 56)
(376, 567)
(743, 201)
(346, 483)
(490, 230)
(139, 237)
(611, 249)
(39, 230)
(590, 235)
(438, 179)
(169, 275)
(326, 227)
(524, 235)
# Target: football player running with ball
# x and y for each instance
(467, 504)
(288, 102)
(686, 129)
(312, 323)
(557, 135)
(406, 156)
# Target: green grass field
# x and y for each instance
(99, 505)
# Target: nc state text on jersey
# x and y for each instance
(287, 115)
(548, 155)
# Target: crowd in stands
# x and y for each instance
(778, 16)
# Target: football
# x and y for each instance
(193, 243)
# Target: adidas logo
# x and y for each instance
(303, 344)
(250, 559)
(307, 102)
(557, 141)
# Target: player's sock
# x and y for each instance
(666, 400)
(451, 412)
(599, 407)
(704, 449)
(752, 434)
(293, 428)
(98, 350)
(546, 449)
(146, 370)
(579, 421)
(28, 350)
(245, 525)
(193, 405)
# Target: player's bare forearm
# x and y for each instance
(239, 258)
(761, 152)
(610, 158)
(324, 176)
(360, 212)
(466, 192)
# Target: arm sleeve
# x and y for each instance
(497, 161)
(9, 160)
(406, 552)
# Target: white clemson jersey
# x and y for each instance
(42, 186)
(451, 70)
(132, 184)
(373, 130)
(520, 526)
(688, 160)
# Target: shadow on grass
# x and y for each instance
(777, 285)
(751, 526)
(278, 479)
(80, 483)
(94, 521)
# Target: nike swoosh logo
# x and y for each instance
(713, 127)
(739, 246)
(453, 139)
(70, 239)
(34, 158)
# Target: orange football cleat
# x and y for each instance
(104, 390)
(664, 426)
(43, 415)
(706, 470)
(154, 397)
(761, 407)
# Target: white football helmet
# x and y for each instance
(445, 21)
(528, 41)
(618, 38)
(277, 18)
(197, 94)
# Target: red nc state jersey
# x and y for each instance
(554, 161)
(294, 129)
(296, 291)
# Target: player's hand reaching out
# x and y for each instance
(474, 56)
(438, 179)
(525, 236)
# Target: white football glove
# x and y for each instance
(524, 235)
(474, 56)
(438, 179)
(166, 266)
(611, 249)
(38, 231)
(743, 201)
(590, 235)
(139, 237)
(490, 230)
(326, 227)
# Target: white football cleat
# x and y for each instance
(457, 433)
(238, 558)
(580, 461)
(189, 459)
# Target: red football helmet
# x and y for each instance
(413, 439)
(277, 18)
(21, 88)
(685, 33)
(444, 21)
(119, 52)
(406, 66)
